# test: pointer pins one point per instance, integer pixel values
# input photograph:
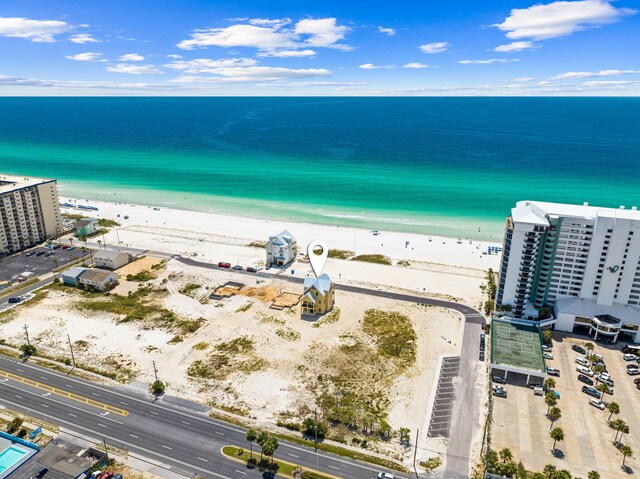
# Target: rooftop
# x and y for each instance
(96, 275)
(85, 222)
(536, 212)
(107, 254)
(590, 308)
(282, 238)
(516, 345)
(74, 272)
(10, 183)
(322, 283)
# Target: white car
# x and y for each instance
(386, 475)
(585, 371)
(547, 355)
(629, 357)
(582, 361)
(546, 348)
(597, 403)
(633, 371)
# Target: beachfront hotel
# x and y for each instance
(29, 212)
(581, 261)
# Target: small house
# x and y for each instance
(99, 279)
(86, 227)
(71, 277)
(318, 296)
(110, 259)
(281, 249)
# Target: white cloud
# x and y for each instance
(175, 57)
(514, 47)
(371, 66)
(416, 65)
(609, 83)
(272, 35)
(83, 38)
(387, 31)
(435, 47)
(545, 83)
(253, 74)
(85, 57)
(131, 57)
(133, 69)
(524, 79)
(601, 73)
(287, 53)
(206, 65)
(560, 18)
(41, 31)
(323, 32)
(488, 61)
(6, 80)
(322, 83)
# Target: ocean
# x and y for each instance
(450, 166)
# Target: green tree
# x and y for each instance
(551, 400)
(404, 434)
(557, 434)
(309, 428)
(491, 457)
(554, 415)
(28, 349)
(589, 347)
(269, 447)
(157, 387)
(619, 426)
(537, 475)
(598, 368)
(545, 312)
(506, 455)
(604, 388)
(549, 383)
(549, 471)
(262, 438)
(626, 451)
(547, 335)
(252, 435)
(563, 474)
(593, 475)
(14, 425)
(613, 408)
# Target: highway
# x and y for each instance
(189, 442)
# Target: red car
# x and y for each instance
(224, 265)
(107, 475)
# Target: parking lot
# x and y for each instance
(520, 422)
(12, 266)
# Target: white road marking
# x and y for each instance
(69, 386)
(72, 415)
(166, 447)
(203, 459)
(240, 472)
(44, 377)
(219, 433)
(154, 413)
(122, 402)
(334, 467)
(133, 435)
(96, 394)
(19, 397)
(293, 455)
(21, 370)
(101, 425)
(44, 405)
(185, 422)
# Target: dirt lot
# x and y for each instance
(520, 421)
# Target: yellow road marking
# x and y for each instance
(65, 394)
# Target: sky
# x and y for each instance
(348, 47)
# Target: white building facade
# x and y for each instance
(581, 261)
(281, 249)
(29, 212)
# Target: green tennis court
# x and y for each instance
(516, 345)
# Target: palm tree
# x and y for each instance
(593, 475)
(619, 426)
(70, 241)
(551, 400)
(557, 434)
(613, 408)
(99, 243)
(549, 383)
(262, 439)
(252, 435)
(604, 388)
(549, 471)
(598, 368)
(589, 347)
(546, 335)
(626, 451)
(506, 455)
(554, 415)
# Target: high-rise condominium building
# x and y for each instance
(29, 212)
(582, 261)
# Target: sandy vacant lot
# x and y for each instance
(238, 354)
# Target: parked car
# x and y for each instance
(605, 378)
(629, 357)
(585, 379)
(501, 392)
(222, 264)
(50, 253)
(96, 474)
(41, 472)
(482, 346)
(40, 253)
(15, 299)
(546, 348)
(636, 380)
(481, 356)
(535, 385)
(597, 403)
(585, 371)
(553, 372)
(251, 269)
(107, 475)
(633, 371)
(117, 476)
(71, 248)
(482, 336)
(386, 475)
(498, 379)
(237, 267)
(591, 392)
(599, 357)
(65, 246)
(547, 355)
(582, 361)
(30, 253)
(631, 366)
(579, 349)
(57, 246)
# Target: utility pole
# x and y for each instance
(415, 453)
(104, 241)
(155, 370)
(26, 332)
(106, 451)
(315, 427)
(71, 348)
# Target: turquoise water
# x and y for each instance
(450, 166)
(9, 457)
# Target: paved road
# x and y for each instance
(189, 442)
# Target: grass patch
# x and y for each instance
(105, 223)
(141, 277)
(403, 262)
(201, 346)
(373, 258)
(258, 244)
(340, 253)
(189, 288)
(73, 216)
(134, 307)
(244, 308)
(263, 318)
(393, 334)
(331, 317)
(288, 334)
(431, 464)
(230, 357)
(159, 266)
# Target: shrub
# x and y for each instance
(373, 258)
(28, 349)
(157, 387)
(22, 432)
(14, 425)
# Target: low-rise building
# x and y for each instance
(281, 249)
(71, 277)
(99, 279)
(86, 227)
(318, 296)
(110, 259)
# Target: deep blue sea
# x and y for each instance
(451, 166)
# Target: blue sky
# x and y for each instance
(208, 47)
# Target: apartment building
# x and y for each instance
(581, 261)
(281, 249)
(29, 212)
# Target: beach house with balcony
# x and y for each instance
(111, 259)
(281, 249)
(318, 296)
(86, 227)
(98, 279)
